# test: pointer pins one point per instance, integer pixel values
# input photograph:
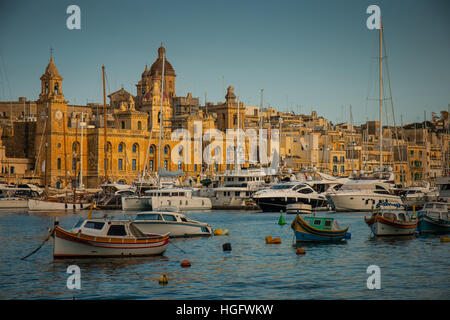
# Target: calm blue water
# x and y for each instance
(411, 268)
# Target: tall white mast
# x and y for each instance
(381, 95)
(161, 112)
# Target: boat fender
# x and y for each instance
(226, 232)
(185, 263)
(163, 279)
(300, 251)
(226, 246)
(348, 235)
(218, 232)
(268, 239)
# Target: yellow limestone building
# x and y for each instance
(70, 143)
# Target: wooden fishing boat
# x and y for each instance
(434, 218)
(318, 229)
(390, 222)
(106, 238)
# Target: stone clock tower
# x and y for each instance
(50, 128)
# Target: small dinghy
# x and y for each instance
(106, 238)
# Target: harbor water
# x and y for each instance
(416, 267)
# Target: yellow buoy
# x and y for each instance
(300, 251)
(445, 239)
(218, 232)
(163, 279)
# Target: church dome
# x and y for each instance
(156, 68)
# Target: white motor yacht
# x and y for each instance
(275, 198)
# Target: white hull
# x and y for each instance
(361, 202)
(181, 203)
(67, 248)
(134, 203)
(13, 203)
(42, 205)
(381, 229)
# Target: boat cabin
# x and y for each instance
(162, 216)
(395, 215)
(107, 228)
(322, 223)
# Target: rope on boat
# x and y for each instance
(52, 230)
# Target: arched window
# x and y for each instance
(166, 150)
(121, 147)
(135, 148)
(151, 150)
(75, 147)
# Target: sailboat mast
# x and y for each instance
(381, 94)
(104, 129)
(161, 111)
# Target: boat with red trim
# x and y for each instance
(391, 222)
(103, 237)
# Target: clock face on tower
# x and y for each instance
(58, 115)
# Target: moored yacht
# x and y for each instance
(362, 195)
(275, 198)
(182, 199)
(237, 189)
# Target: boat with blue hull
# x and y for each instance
(318, 229)
(434, 218)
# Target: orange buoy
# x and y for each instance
(185, 263)
(300, 251)
(276, 240)
(268, 239)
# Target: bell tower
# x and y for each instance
(50, 127)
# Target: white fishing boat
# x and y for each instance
(177, 224)
(388, 222)
(106, 238)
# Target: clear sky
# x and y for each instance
(306, 55)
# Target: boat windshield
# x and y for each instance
(281, 186)
(149, 216)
